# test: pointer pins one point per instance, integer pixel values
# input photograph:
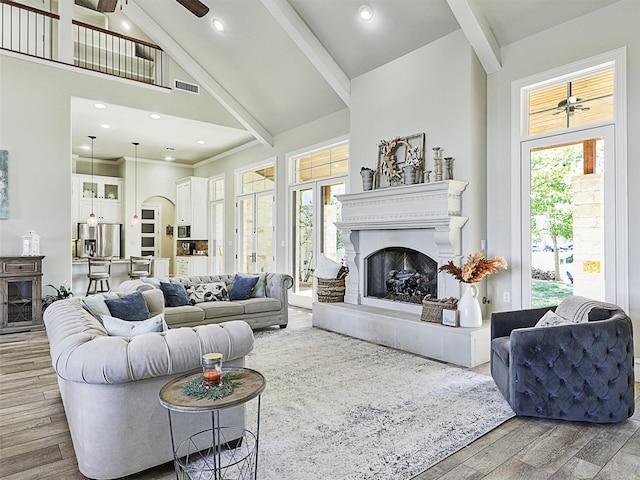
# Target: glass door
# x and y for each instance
(315, 212)
(150, 223)
(568, 244)
(256, 233)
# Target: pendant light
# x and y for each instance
(92, 221)
(135, 221)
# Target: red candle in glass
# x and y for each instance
(212, 377)
(212, 370)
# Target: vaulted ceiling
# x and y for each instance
(283, 63)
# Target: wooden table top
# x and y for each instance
(172, 397)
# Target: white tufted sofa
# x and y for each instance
(109, 385)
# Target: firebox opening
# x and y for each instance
(401, 274)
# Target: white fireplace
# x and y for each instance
(424, 218)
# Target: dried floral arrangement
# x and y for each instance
(475, 269)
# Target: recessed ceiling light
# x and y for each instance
(126, 25)
(155, 116)
(85, 147)
(105, 125)
(218, 25)
(365, 12)
(99, 105)
(168, 158)
(200, 142)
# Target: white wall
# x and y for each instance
(602, 31)
(439, 89)
(35, 121)
(322, 130)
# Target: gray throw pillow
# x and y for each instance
(96, 306)
(175, 294)
(130, 307)
(259, 290)
(242, 286)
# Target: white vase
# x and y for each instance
(469, 307)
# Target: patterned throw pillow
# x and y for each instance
(208, 292)
(550, 319)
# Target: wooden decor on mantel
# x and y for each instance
(400, 161)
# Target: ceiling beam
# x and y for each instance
(309, 44)
(199, 74)
(478, 32)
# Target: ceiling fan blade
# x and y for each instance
(107, 6)
(196, 7)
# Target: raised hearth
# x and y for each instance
(423, 218)
(467, 347)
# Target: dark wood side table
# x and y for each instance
(20, 294)
(220, 452)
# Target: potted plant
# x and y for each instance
(62, 292)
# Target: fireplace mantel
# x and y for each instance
(424, 205)
(428, 215)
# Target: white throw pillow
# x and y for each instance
(550, 319)
(117, 327)
(326, 268)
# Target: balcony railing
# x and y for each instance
(34, 32)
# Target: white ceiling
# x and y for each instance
(271, 81)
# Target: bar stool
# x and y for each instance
(140, 267)
(99, 272)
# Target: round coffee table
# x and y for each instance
(220, 452)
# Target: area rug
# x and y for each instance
(336, 407)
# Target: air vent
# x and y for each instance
(187, 87)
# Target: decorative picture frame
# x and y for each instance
(394, 155)
(450, 317)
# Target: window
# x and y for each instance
(216, 212)
(331, 162)
(576, 102)
(258, 180)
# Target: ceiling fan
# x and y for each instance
(196, 7)
(570, 105)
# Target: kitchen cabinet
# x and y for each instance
(20, 294)
(191, 266)
(107, 199)
(191, 205)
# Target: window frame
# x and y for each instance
(519, 114)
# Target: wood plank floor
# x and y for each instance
(35, 441)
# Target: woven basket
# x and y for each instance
(331, 290)
(432, 309)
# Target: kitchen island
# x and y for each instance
(119, 273)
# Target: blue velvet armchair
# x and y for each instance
(577, 372)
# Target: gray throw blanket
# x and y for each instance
(576, 309)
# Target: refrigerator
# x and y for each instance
(103, 240)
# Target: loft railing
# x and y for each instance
(27, 30)
(108, 52)
(35, 32)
